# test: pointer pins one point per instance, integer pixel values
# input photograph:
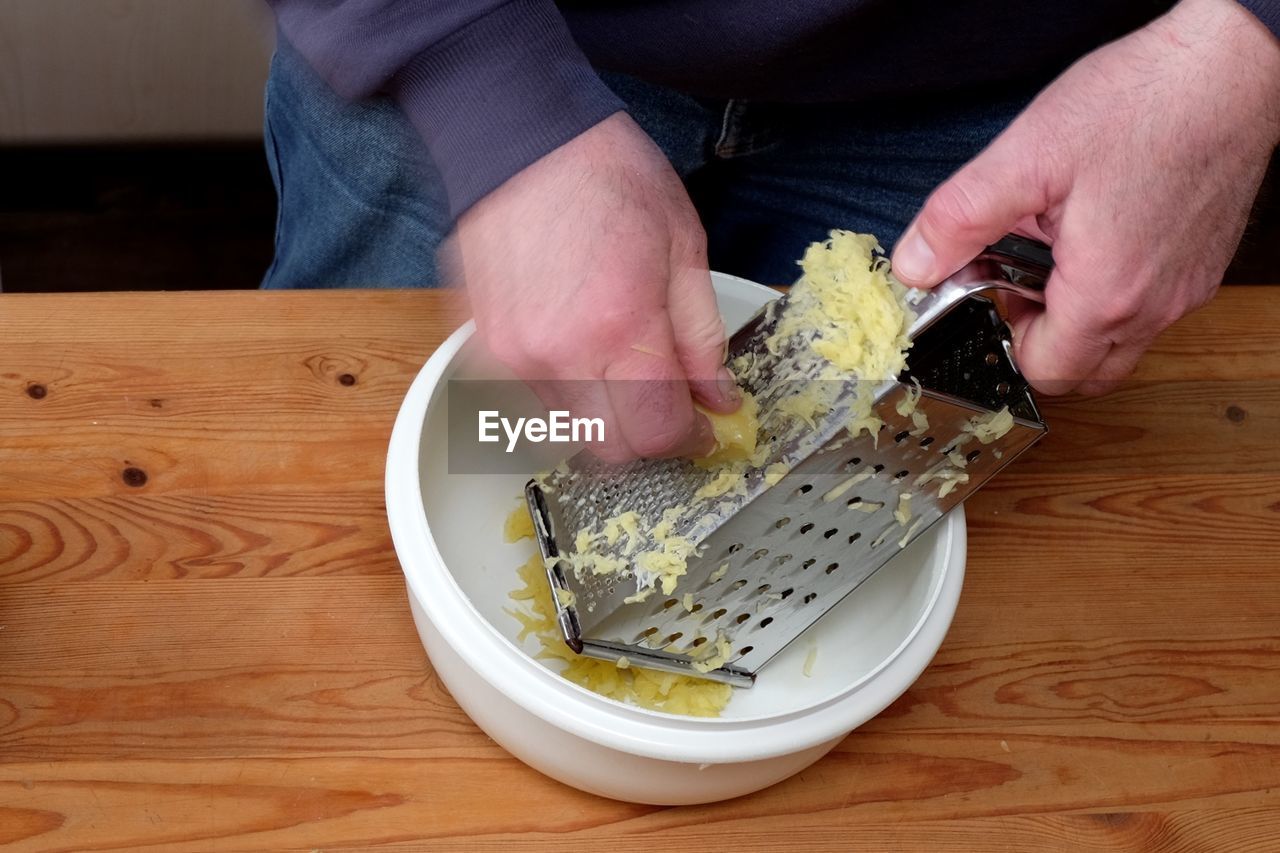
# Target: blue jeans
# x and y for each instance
(361, 205)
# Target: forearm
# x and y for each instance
(491, 86)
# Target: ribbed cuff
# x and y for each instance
(1267, 11)
(499, 94)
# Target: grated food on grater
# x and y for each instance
(616, 679)
(846, 317)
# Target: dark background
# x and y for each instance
(193, 217)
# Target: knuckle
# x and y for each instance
(528, 356)
(608, 325)
(1122, 309)
(956, 206)
(704, 337)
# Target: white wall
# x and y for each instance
(132, 70)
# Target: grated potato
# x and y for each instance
(619, 679)
(519, 524)
(987, 428)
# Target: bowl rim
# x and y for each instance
(608, 722)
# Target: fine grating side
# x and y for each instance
(770, 562)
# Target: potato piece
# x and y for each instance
(735, 434)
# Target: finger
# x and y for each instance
(586, 398)
(700, 336)
(1115, 368)
(1060, 345)
(651, 397)
(973, 208)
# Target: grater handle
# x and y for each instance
(1014, 264)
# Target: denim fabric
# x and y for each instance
(361, 205)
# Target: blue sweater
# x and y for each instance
(492, 85)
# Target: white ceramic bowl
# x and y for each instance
(447, 529)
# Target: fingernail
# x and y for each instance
(914, 259)
(728, 386)
(704, 437)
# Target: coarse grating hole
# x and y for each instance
(697, 641)
(972, 455)
(741, 617)
(746, 650)
(831, 568)
(672, 638)
(762, 589)
(765, 622)
(926, 441)
(832, 532)
(734, 548)
(854, 501)
(901, 475)
(808, 563)
(854, 537)
(696, 607)
(648, 632)
(786, 593)
(806, 527)
(805, 489)
(877, 468)
(782, 522)
(854, 462)
(781, 560)
(668, 604)
(760, 552)
(718, 612)
(810, 597)
(902, 436)
(737, 585)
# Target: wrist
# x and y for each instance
(1229, 39)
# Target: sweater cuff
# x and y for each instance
(1267, 11)
(499, 94)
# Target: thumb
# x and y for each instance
(700, 337)
(970, 210)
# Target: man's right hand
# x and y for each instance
(590, 264)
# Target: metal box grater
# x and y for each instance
(772, 562)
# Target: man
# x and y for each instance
(560, 147)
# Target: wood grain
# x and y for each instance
(220, 657)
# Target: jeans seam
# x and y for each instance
(730, 143)
(277, 170)
(722, 146)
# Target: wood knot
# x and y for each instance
(347, 379)
(36, 391)
(156, 402)
(134, 477)
(1236, 415)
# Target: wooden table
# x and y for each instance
(205, 643)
